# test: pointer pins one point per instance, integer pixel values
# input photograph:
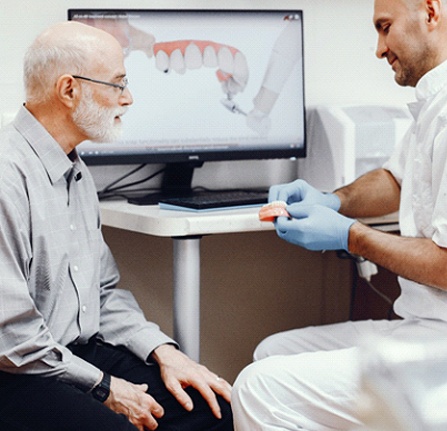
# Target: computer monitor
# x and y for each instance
(208, 85)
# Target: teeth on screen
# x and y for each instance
(162, 61)
(209, 57)
(177, 62)
(193, 57)
(225, 59)
(182, 55)
(240, 68)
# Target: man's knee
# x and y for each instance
(250, 383)
(266, 348)
(252, 397)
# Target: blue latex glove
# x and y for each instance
(314, 227)
(300, 191)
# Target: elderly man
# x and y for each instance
(76, 353)
(308, 378)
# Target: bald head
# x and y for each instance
(65, 48)
(71, 31)
(413, 4)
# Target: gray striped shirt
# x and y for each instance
(57, 275)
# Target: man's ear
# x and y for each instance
(433, 9)
(67, 90)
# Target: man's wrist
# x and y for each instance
(102, 389)
(356, 232)
(333, 201)
(157, 353)
(98, 381)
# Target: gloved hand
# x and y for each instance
(314, 227)
(301, 191)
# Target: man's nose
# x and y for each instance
(126, 97)
(382, 48)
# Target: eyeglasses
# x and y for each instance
(122, 87)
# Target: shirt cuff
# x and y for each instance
(81, 374)
(145, 342)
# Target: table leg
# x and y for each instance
(186, 293)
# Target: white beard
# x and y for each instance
(95, 121)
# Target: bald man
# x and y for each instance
(76, 353)
(308, 379)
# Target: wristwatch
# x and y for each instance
(102, 391)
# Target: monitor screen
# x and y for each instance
(207, 85)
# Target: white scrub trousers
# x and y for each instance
(308, 379)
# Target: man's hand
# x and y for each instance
(314, 227)
(300, 191)
(133, 401)
(178, 371)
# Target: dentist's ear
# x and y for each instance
(67, 89)
(433, 11)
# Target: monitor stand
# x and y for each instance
(176, 182)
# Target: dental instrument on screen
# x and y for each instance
(281, 64)
(260, 123)
(231, 105)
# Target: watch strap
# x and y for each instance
(102, 391)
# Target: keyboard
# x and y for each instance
(218, 199)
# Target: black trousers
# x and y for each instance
(33, 403)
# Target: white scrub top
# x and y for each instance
(419, 164)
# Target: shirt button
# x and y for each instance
(84, 308)
(75, 268)
(72, 227)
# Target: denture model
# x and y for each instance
(181, 55)
(272, 210)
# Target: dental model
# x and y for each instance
(181, 55)
(272, 210)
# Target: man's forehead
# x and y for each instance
(386, 9)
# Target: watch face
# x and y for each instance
(101, 393)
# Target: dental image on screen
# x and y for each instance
(208, 80)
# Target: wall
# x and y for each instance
(252, 284)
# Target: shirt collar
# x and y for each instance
(50, 153)
(432, 82)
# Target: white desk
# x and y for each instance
(186, 230)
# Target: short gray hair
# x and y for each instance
(44, 64)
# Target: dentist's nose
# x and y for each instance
(382, 49)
